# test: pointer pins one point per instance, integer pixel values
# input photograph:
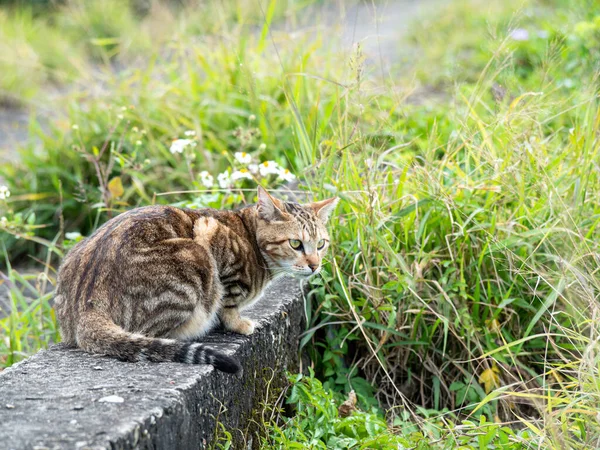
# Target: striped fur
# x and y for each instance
(152, 281)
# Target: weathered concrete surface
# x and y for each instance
(53, 400)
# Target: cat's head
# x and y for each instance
(291, 236)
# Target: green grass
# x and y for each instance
(464, 273)
(72, 44)
(460, 300)
(30, 324)
(32, 53)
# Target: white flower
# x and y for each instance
(224, 180)
(138, 142)
(3, 221)
(207, 179)
(519, 34)
(252, 118)
(120, 117)
(190, 133)
(4, 192)
(241, 174)
(243, 157)
(286, 175)
(73, 235)
(253, 168)
(75, 127)
(262, 147)
(123, 108)
(268, 167)
(179, 145)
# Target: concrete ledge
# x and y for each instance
(67, 399)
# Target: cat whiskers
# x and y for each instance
(275, 271)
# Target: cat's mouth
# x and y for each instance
(300, 273)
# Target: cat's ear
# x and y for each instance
(324, 208)
(269, 208)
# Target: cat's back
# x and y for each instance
(114, 243)
(140, 227)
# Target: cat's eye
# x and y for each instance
(295, 244)
(320, 244)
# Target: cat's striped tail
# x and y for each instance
(97, 333)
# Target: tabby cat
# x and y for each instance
(150, 282)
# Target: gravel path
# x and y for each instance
(379, 27)
(13, 132)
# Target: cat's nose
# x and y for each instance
(313, 267)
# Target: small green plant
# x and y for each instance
(323, 420)
(316, 423)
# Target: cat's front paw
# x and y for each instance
(245, 326)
